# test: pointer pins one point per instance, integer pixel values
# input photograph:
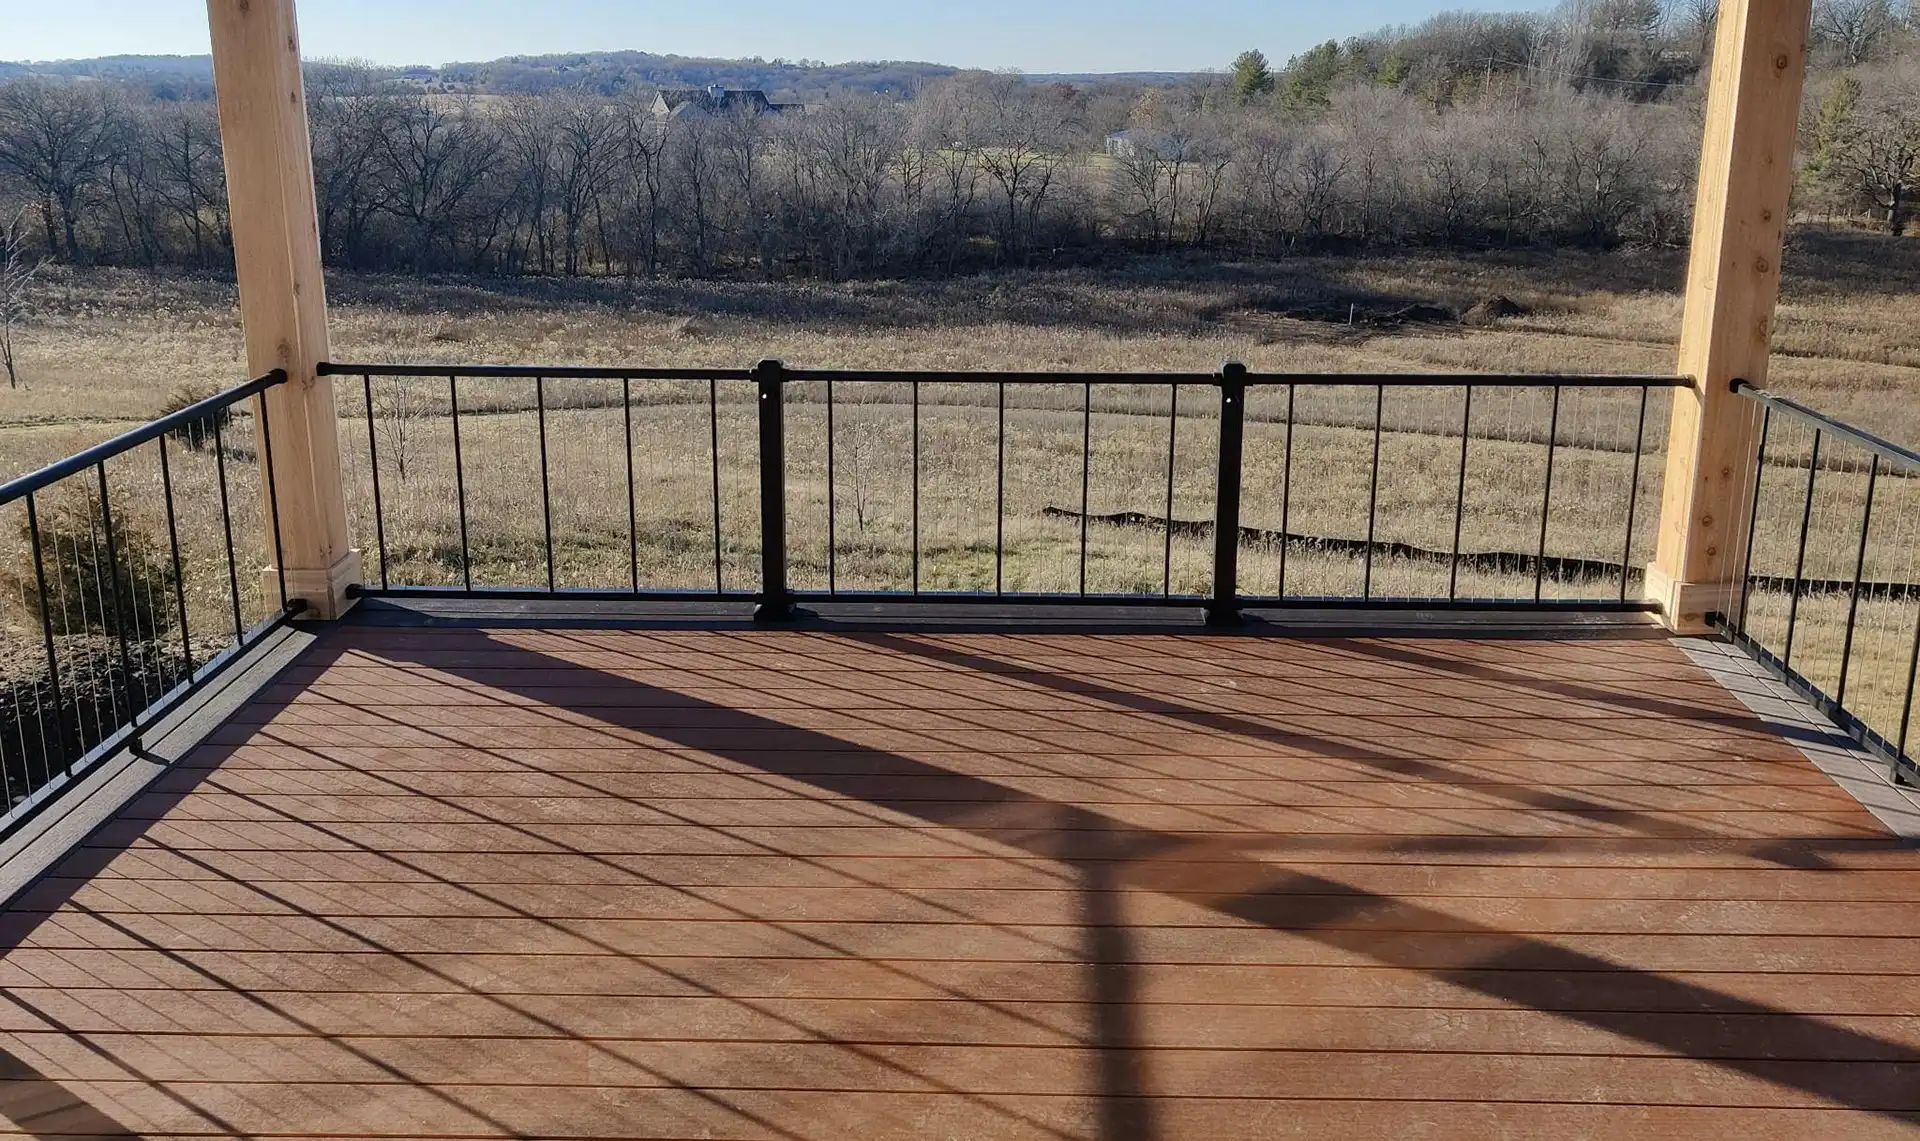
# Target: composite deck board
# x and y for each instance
(677, 883)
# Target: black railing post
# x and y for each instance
(1224, 609)
(776, 605)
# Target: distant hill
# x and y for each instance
(610, 72)
(605, 73)
(1134, 78)
(167, 76)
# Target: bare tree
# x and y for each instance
(1025, 135)
(644, 140)
(351, 119)
(529, 142)
(193, 178)
(16, 274)
(745, 138)
(1868, 139)
(944, 130)
(1853, 29)
(1695, 21)
(438, 155)
(856, 142)
(59, 138)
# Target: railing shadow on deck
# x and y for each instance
(1109, 851)
(1108, 856)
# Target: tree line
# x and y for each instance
(1579, 128)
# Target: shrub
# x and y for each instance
(199, 432)
(80, 581)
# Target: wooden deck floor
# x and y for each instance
(743, 884)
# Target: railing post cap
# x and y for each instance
(1233, 369)
(769, 368)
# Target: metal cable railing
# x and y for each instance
(127, 587)
(954, 486)
(1829, 593)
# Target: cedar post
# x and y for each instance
(1733, 282)
(283, 302)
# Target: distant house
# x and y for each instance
(1156, 145)
(717, 100)
(1137, 142)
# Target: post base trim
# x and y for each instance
(323, 589)
(1684, 606)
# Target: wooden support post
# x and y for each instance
(1733, 283)
(283, 302)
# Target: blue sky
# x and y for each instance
(1033, 35)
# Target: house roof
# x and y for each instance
(713, 99)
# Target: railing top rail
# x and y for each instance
(529, 372)
(925, 376)
(126, 442)
(1886, 450)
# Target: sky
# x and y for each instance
(1031, 35)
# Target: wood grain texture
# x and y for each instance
(1733, 284)
(262, 105)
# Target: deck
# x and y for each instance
(672, 882)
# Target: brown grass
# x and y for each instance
(108, 347)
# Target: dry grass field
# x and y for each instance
(106, 349)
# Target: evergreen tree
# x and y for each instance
(1252, 78)
(1311, 76)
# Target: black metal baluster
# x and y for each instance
(1800, 561)
(915, 387)
(373, 464)
(119, 613)
(833, 531)
(633, 507)
(179, 573)
(546, 481)
(1633, 493)
(1000, 498)
(713, 445)
(1546, 500)
(1913, 675)
(1460, 496)
(273, 500)
(67, 752)
(1224, 609)
(1753, 515)
(226, 523)
(460, 482)
(775, 604)
(1286, 493)
(1859, 569)
(1173, 426)
(1086, 476)
(1373, 489)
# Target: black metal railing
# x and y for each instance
(128, 585)
(1829, 595)
(877, 485)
